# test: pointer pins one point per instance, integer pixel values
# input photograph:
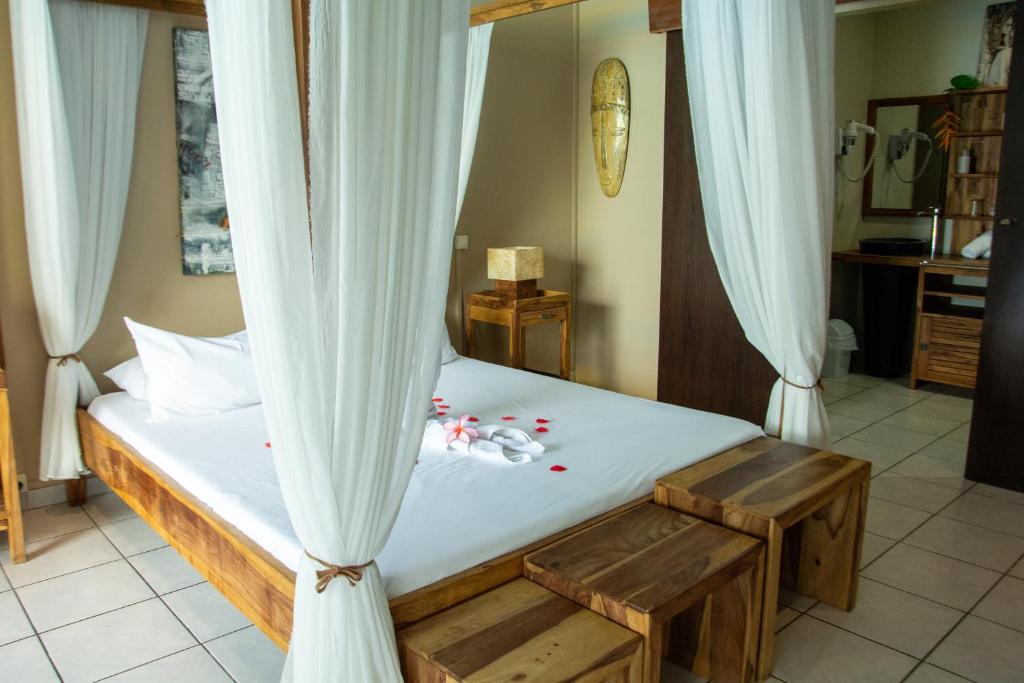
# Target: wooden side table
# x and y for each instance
(807, 505)
(518, 314)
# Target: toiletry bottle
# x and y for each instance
(963, 163)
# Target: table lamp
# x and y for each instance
(515, 270)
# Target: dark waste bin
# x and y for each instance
(888, 317)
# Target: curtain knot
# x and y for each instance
(63, 360)
(352, 572)
(816, 385)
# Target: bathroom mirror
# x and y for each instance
(909, 172)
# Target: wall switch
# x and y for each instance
(462, 242)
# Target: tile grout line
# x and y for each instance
(31, 625)
(931, 515)
(159, 597)
(966, 614)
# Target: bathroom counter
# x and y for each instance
(947, 260)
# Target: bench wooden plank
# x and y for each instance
(646, 567)
(519, 632)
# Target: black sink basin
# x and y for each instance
(893, 246)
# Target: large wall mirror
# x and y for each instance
(909, 172)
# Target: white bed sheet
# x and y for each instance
(458, 511)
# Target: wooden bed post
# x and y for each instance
(74, 490)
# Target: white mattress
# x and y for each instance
(458, 511)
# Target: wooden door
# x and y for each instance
(995, 453)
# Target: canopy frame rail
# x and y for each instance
(485, 13)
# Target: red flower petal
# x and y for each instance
(473, 419)
(437, 400)
(542, 421)
(267, 444)
(442, 413)
(508, 418)
(441, 406)
(557, 468)
(541, 429)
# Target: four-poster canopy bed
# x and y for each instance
(730, 453)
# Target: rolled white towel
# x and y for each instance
(435, 436)
(978, 246)
(511, 438)
(987, 254)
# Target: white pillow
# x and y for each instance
(448, 353)
(131, 377)
(195, 375)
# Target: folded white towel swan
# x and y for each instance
(511, 438)
(496, 444)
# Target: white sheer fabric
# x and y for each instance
(345, 333)
(760, 85)
(477, 54)
(76, 72)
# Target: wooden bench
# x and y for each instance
(519, 632)
(691, 589)
(808, 506)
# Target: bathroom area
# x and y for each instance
(920, 108)
(922, 90)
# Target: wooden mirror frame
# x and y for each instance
(865, 208)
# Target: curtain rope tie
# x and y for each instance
(782, 406)
(63, 360)
(352, 572)
(816, 385)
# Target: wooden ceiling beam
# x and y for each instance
(497, 10)
(667, 15)
(485, 13)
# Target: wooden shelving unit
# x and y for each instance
(982, 112)
(10, 502)
(948, 337)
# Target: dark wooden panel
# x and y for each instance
(704, 359)
(995, 454)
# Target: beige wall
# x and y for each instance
(520, 189)
(619, 239)
(854, 69)
(534, 182)
(147, 284)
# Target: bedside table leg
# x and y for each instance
(516, 342)
(563, 363)
(467, 335)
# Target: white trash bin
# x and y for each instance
(841, 343)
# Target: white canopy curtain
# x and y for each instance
(477, 55)
(760, 87)
(76, 71)
(345, 332)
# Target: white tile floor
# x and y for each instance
(104, 598)
(941, 593)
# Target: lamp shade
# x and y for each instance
(515, 263)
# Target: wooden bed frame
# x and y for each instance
(257, 583)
